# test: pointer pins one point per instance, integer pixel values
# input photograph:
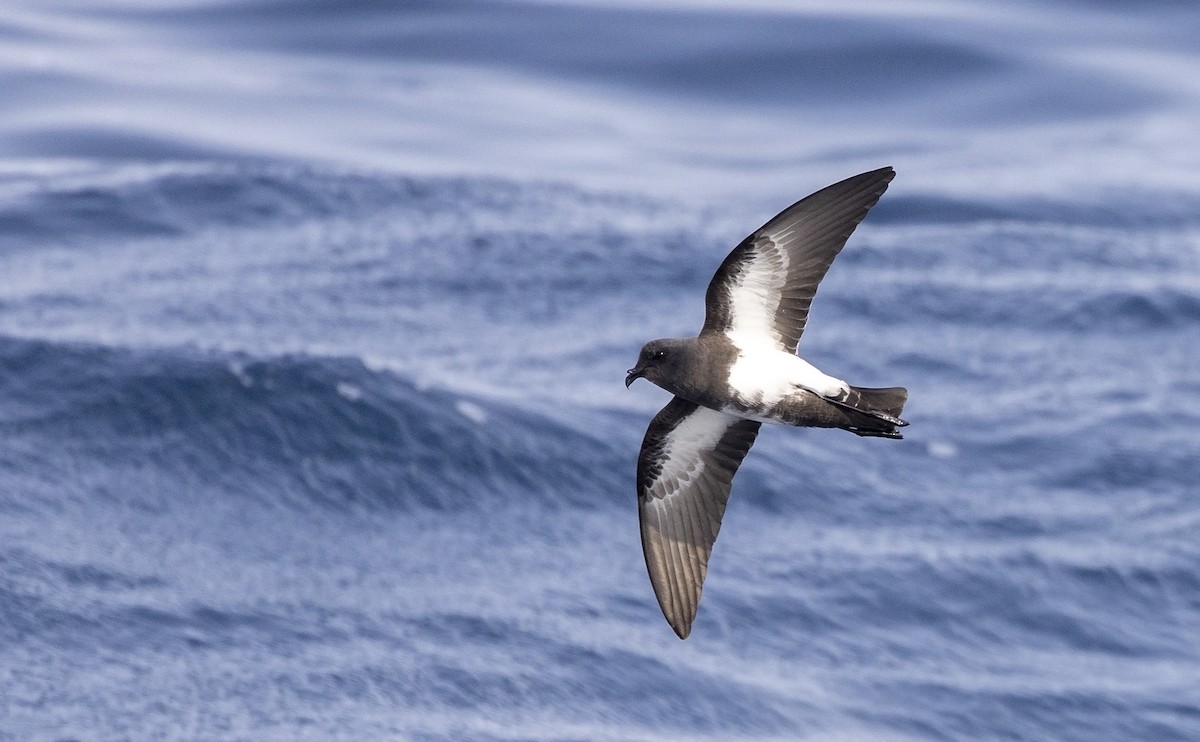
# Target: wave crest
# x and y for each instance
(292, 429)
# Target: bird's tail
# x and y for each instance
(874, 412)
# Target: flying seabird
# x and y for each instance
(741, 371)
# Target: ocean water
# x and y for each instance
(314, 318)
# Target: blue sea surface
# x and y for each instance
(314, 318)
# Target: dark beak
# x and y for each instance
(633, 373)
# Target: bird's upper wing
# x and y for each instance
(685, 470)
(761, 293)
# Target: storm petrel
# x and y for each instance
(741, 371)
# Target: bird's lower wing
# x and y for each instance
(685, 471)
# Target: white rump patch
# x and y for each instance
(767, 376)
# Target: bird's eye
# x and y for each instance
(660, 354)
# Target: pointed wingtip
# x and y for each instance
(886, 173)
(682, 630)
(678, 617)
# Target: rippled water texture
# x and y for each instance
(314, 318)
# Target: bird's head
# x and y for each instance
(659, 363)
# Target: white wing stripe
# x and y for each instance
(755, 296)
(698, 432)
